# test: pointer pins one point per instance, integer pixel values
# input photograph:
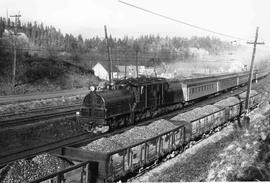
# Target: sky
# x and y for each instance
(88, 17)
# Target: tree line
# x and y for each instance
(47, 44)
(50, 39)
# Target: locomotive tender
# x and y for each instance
(133, 100)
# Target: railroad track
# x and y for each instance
(31, 116)
(9, 99)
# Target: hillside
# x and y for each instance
(47, 59)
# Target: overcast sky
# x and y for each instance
(87, 17)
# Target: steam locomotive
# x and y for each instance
(135, 99)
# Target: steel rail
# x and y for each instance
(23, 120)
(38, 110)
(9, 99)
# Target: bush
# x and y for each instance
(42, 70)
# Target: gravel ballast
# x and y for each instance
(24, 171)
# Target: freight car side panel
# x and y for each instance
(206, 123)
(114, 165)
(253, 101)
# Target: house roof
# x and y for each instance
(106, 67)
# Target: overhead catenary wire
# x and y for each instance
(182, 22)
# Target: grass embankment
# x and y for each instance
(247, 158)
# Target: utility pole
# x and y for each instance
(251, 68)
(137, 69)
(109, 56)
(126, 64)
(15, 49)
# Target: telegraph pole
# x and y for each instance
(137, 69)
(109, 55)
(251, 68)
(15, 49)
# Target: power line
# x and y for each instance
(182, 22)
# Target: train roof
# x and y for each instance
(212, 78)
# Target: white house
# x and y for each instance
(102, 71)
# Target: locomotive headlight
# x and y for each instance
(92, 88)
(77, 113)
